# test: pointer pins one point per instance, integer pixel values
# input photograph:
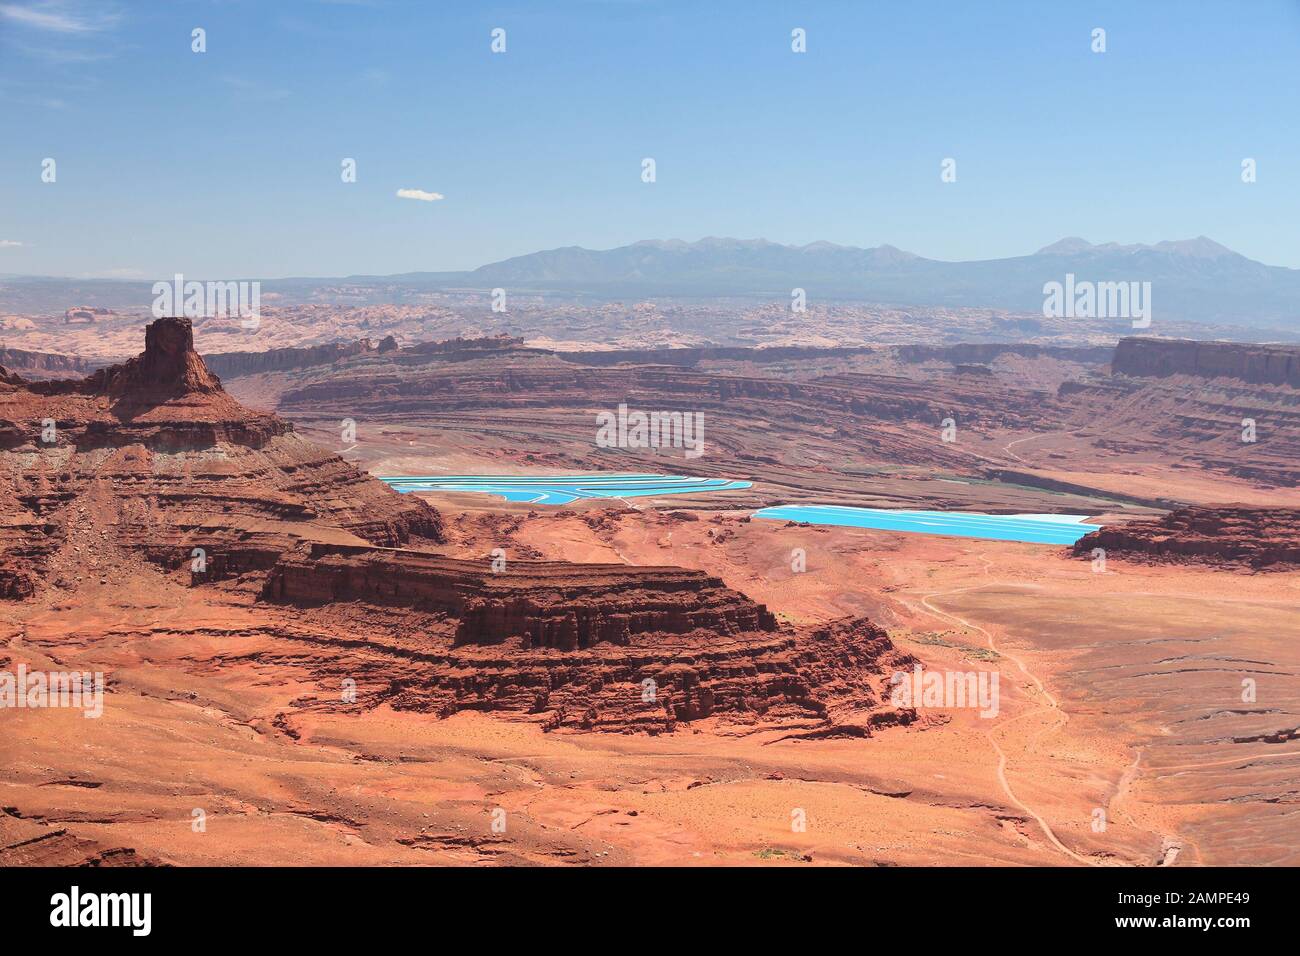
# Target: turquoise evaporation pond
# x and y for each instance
(563, 489)
(1035, 529)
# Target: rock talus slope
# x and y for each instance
(1261, 538)
(156, 456)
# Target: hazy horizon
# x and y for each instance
(739, 240)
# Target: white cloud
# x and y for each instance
(10, 243)
(419, 194)
(56, 16)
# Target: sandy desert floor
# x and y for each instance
(1122, 736)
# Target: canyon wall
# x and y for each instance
(984, 352)
(690, 357)
(1221, 406)
(547, 406)
(235, 364)
(1260, 538)
(44, 364)
(1255, 364)
(543, 604)
(152, 459)
(151, 463)
(605, 647)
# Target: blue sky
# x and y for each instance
(227, 163)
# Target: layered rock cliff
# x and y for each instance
(1235, 535)
(44, 365)
(984, 352)
(540, 604)
(235, 364)
(608, 647)
(151, 463)
(153, 459)
(1256, 364)
(690, 357)
(757, 425)
(1221, 406)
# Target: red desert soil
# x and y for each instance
(1147, 713)
(1126, 686)
(282, 577)
(1139, 714)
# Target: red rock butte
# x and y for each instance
(1257, 538)
(155, 454)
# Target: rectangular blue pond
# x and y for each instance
(563, 489)
(1032, 528)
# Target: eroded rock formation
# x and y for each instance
(1227, 407)
(759, 425)
(234, 364)
(690, 357)
(152, 457)
(25, 842)
(1256, 364)
(85, 313)
(151, 464)
(985, 352)
(1236, 535)
(44, 364)
(539, 603)
(609, 647)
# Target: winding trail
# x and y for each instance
(1007, 447)
(1052, 705)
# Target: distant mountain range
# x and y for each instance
(1191, 280)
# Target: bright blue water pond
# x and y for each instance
(1037, 529)
(563, 489)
